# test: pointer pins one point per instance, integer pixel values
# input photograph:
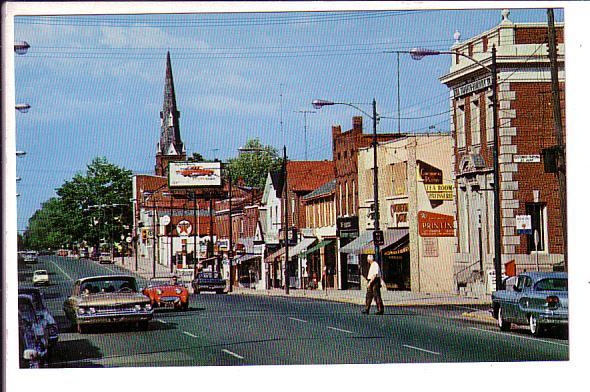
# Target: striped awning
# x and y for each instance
(364, 243)
(321, 244)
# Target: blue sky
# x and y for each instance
(95, 83)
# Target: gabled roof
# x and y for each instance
(306, 176)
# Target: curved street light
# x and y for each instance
(21, 47)
(20, 153)
(318, 104)
(420, 53)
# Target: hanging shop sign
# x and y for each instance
(431, 224)
(439, 191)
(430, 174)
(184, 228)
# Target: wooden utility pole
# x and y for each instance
(559, 139)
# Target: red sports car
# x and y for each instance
(167, 293)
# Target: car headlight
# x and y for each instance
(30, 354)
(137, 307)
(159, 292)
(148, 307)
(178, 291)
(81, 311)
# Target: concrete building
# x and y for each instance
(416, 209)
(528, 195)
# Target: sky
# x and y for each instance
(95, 83)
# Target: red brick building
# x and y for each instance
(525, 123)
(345, 147)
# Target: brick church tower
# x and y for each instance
(170, 148)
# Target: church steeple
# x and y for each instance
(170, 147)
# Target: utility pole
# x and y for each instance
(497, 210)
(556, 104)
(376, 187)
(286, 227)
(231, 243)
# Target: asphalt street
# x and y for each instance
(234, 329)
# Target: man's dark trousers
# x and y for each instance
(374, 291)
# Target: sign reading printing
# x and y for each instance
(194, 174)
(431, 224)
(524, 224)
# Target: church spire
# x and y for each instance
(170, 147)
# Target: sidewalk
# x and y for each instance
(390, 298)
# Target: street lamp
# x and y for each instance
(377, 234)
(20, 153)
(21, 47)
(22, 107)
(418, 54)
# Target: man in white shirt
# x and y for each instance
(373, 287)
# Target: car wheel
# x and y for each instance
(502, 324)
(534, 326)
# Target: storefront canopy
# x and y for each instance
(321, 244)
(363, 244)
(246, 257)
(301, 246)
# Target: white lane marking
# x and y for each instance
(162, 321)
(189, 334)
(341, 330)
(508, 334)
(421, 349)
(232, 354)
(296, 319)
(62, 271)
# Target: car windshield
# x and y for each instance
(552, 284)
(111, 285)
(41, 272)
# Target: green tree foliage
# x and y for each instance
(91, 208)
(197, 157)
(254, 162)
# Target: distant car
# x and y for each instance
(109, 299)
(43, 313)
(165, 293)
(30, 257)
(209, 281)
(105, 258)
(33, 342)
(84, 254)
(40, 277)
(62, 252)
(538, 299)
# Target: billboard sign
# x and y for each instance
(194, 174)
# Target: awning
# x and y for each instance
(271, 258)
(245, 257)
(321, 244)
(364, 243)
(399, 245)
(301, 246)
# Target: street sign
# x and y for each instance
(165, 220)
(378, 237)
(527, 158)
(523, 224)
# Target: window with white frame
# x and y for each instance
(538, 214)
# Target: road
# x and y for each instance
(237, 329)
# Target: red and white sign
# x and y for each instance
(184, 228)
(194, 174)
(431, 224)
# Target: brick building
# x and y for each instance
(345, 146)
(525, 123)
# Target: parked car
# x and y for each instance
(84, 254)
(109, 299)
(209, 281)
(167, 293)
(32, 336)
(43, 313)
(538, 299)
(30, 257)
(105, 258)
(40, 277)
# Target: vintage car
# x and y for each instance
(43, 314)
(167, 293)
(30, 257)
(40, 277)
(538, 299)
(209, 281)
(32, 336)
(108, 299)
(105, 258)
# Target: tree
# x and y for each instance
(254, 162)
(93, 207)
(197, 157)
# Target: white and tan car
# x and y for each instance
(40, 277)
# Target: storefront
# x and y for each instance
(347, 230)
